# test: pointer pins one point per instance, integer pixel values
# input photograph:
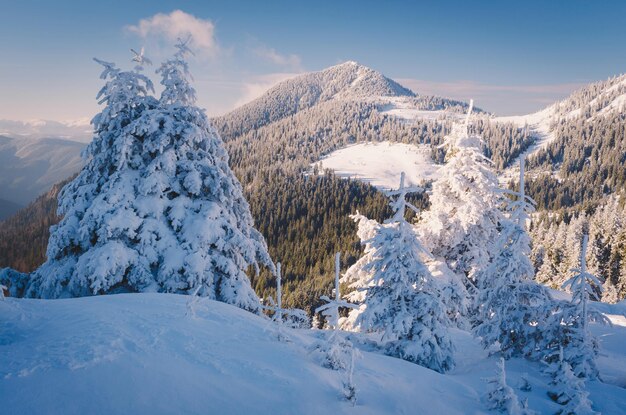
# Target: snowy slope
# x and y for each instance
(410, 109)
(381, 163)
(598, 99)
(140, 354)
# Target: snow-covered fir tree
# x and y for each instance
(580, 347)
(156, 208)
(501, 397)
(547, 262)
(462, 223)
(511, 307)
(400, 300)
(334, 350)
(71, 246)
(572, 247)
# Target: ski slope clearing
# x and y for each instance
(141, 354)
(381, 163)
(406, 110)
(538, 125)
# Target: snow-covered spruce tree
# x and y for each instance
(400, 301)
(512, 308)
(157, 207)
(501, 397)
(580, 347)
(462, 223)
(576, 228)
(74, 239)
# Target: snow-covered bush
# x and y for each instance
(156, 208)
(568, 390)
(15, 282)
(501, 397)
(334, 351)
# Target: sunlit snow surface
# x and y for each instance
(404, 109)
(141, 354)
(381, 163)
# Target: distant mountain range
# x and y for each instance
(30, 166)
(77, 130)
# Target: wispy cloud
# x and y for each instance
(169, 27)
(493, 97)
(465, 87)
(271, 55)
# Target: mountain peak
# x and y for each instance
(349, 63)
(348, 81)
(352, 80)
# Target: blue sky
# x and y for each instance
(511, 57)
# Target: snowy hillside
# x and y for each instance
(598, 99)
(30, 166)
(381, 163)
(426, 107)
(141, 354)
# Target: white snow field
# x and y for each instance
(381, 163)
(141, 354)
(404, 109)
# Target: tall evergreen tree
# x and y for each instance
(157, 207)
(399, 297)
(462, 224)
(580, 347)
(512, 307)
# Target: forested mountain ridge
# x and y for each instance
(347, 81)
(596, 99)
(578, 149)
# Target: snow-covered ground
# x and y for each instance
(404, 109)
(141, 354)
(381, 163)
